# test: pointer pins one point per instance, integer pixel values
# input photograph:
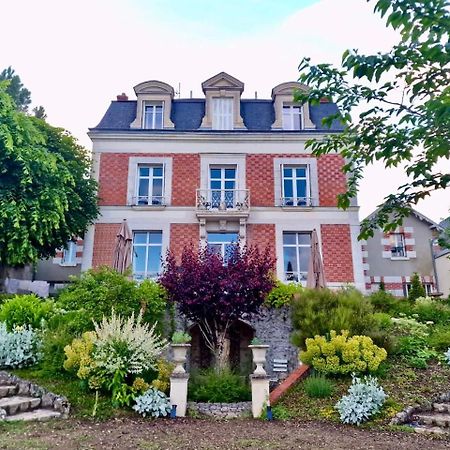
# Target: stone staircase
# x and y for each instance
(22, 400)
(434, 421)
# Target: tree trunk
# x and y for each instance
(222, 353)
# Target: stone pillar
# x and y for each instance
(260, 393)
(178, 392)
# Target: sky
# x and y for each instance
(75, 57)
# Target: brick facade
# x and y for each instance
(183, 235)
(186, 179)
(262, 235)
(104, 241)
(332, 180)
(259, 179)
(337, 253)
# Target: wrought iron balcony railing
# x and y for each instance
(223, 200)
(145, 200)
(297, 201)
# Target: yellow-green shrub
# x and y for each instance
(79, 355)
(164, 368)
(342, 354)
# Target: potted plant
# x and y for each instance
(180, 345)
(259, 351)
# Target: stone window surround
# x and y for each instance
(135, 161)
(311, 163)
(153, 91)
(410, 254)
(208, 160)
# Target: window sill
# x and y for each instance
(399, 258)
(148, 207)
(68, 264)
(296, 208)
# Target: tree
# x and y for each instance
(215, 295)
(39, 112)
(416, 290)
(46, 194)
(405, 96)
(20, 95)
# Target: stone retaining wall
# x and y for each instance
(48, 399)
(220, 410)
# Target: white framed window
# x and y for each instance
(295, 185)
(296, 254)
(69, 254)
(428, 289)
(223, 244)
(222, 184)
(153, 114)
(222, 113)
(292, 117)
(398, 247)
(147, 248)
(150, 184)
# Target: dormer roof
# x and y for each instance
(223, 81)
(154, 87)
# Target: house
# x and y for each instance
(217, 170)
(442, 263)
(393, 257)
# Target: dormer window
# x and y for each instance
(222, 113)
(292, 117)
(153, 115)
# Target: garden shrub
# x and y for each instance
(317, 311)
(383, 301)
(342, 354)
(218, 387)
(153, 403)
(99, 290)
(317, 386)
(439, 339)
(282, 294)
(19, 347)
(79, 359)
(428, 310)
(416, 290)
(409, 326)
(25, 310)
(415, 352)
(164, 369)
(181, 337)
(365, 398)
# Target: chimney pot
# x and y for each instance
(324, 100)
(122, 97)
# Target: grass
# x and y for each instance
(81, 400)
(404, 386)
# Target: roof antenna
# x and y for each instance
(256, 95)
(191, 94)
(178, 92)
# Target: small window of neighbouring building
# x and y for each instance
(150, 183)
(69, 256)
(428, 289)
(147, 247)
(292, 117)
(296, 254)
(153, 115)
(295, 186)
(222, 113)
(398, 247)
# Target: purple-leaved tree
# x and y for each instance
(214, 295)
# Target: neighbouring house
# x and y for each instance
(392, 258)
(220, 169)
(442, 262)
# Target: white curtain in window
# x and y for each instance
(222, 113)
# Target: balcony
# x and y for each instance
(145, 201)
(226, 202)
(297, 202)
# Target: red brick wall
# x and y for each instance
(262, 235)
(182, 235)
(104, 241)
(113, 178)
(337, 253)
(260, 179)
(185, 179)
(331, 179)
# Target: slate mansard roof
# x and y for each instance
(187, 115)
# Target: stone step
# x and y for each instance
(16, 404)
(7, 390)
(36, 414)
(438, 419)
(441, 407)
(433, 430)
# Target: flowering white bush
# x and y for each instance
(365, 398)
(18, 348)
(153, 403)
(128, 345)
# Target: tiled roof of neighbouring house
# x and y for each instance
(187, 115)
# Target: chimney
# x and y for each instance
(324, 100)
(122, 97)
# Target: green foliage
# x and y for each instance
(213, 386)
(409, 326)
(342, 354)
(19, 94)
(18, 347)
(97, 291)
(317, 311)
(383, 301)
(397, 114)
(162, 381)
(46, 194)
(415, 351)
(53, 344)
(181, 337)
(153, 403)
(439, 338)
(429, 310)
(25, 310)
(282, 294)
(317, 386)
(417, 290)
